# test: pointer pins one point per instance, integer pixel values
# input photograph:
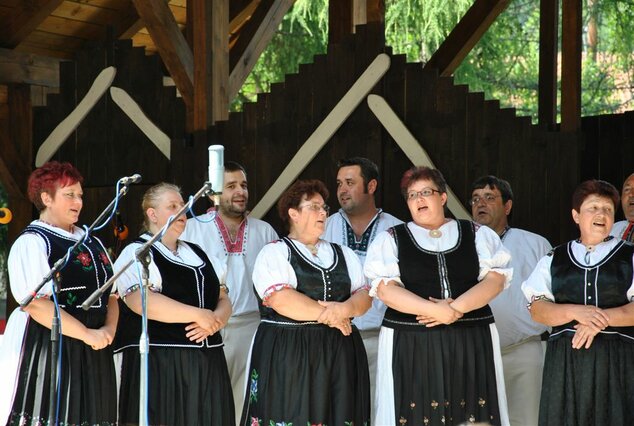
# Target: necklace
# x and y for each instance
(312, 248)
(70, 228)
(435, 233)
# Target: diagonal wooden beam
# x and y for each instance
(257, 44)
(27, 15)
(128, 24)
(170, 43)
(465, 35)
(247, 30)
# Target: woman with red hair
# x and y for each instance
(87, 393)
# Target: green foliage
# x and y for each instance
(504, 64)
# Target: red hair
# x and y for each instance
(49, 178)
(294, 195)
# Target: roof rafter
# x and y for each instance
(26, 17)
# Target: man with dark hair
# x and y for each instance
(229, 235)
(522, 351)
(624, 229)
(355, 225)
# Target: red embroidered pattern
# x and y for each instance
(236, 246)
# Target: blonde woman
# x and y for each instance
(187, 306)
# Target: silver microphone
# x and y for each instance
(216, 167)
(135, 178)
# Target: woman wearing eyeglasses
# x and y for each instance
(308, 364)
(439, 361)
(584, 290)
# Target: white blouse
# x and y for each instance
(382, 264)
(539, 283)
(130, 279)
(273, 271)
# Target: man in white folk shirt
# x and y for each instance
(355, 225)
(624, 229)
(520, 337)
(236, 239)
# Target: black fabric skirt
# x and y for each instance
(444, 376)
(588, 387)
(306, 374)
(88, 393)
(187, 386)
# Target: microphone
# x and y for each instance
(216, 171)
(120, 230)
(5, 216)
(135, 178)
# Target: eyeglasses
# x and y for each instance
(425, 192)
(317, 207)
(487, 198)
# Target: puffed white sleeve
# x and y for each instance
(27, 265)
(492, 255)
(220, 266)
(630, 291)
(538, 285)
(381, 261)
(130, 280)
(355, 271)
(272, 270)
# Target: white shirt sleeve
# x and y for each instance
(381, 262)
(492, 255)
(272, 270)
(355, 270)
(539, 282)
(130, 279)
(27, 265)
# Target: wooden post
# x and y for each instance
(571, 66)
(547, 96)
(364, 11)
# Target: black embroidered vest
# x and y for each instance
(603, 285)
(328, 284)
(426, 273)
(196, 286)
(87, 269)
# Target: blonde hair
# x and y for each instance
(152, 197)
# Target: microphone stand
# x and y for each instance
(142, 255)
(53, 274)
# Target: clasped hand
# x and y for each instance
(439, 313)
(207, 324)
(334, 315)
(591, 321)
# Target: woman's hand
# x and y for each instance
(584, 336)
(440, 312)
(335, 315)
(195, 333)
(96, 338)
(591, 316)
(208, 321)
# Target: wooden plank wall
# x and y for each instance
(465, 135)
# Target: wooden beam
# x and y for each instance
(15, 142)
(250, 26)
(242, 17)
(340, 20)
(128, 24)
(258, 43)
(571, 48)
(210, 32)
(26, 17)
(465, 35)
(16, 68)
(364, 11)
(170, 43)
(548, 39)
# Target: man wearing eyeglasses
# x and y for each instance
(355, 225)
(231, 236)
(624, 229)
(522, 351)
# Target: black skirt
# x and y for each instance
(306, 374)
(88, 387)
(587, 387)
(441, 376)
(187, 386)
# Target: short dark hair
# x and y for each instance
(417, 173)
(369, 170)
(232, 166)
(594, 187)
(292, 197)
(494, 182)
(48, 178)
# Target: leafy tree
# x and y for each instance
(504, 64)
